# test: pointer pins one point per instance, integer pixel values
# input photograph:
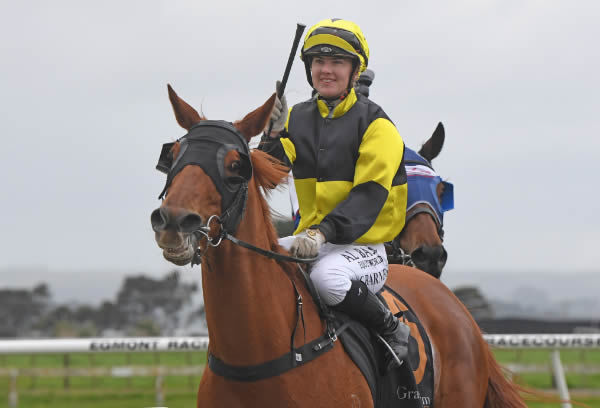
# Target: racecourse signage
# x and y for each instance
(158, 344)
(548, 341)
(150, 344)
(104, 345)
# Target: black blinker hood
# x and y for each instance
(206, 145)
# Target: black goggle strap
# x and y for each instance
(232, 216)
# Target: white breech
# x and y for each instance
(337, 265)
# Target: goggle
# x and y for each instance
(345, 35)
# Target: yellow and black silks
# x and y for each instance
(348, 169)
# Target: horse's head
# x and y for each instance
(428, 198)
(208, 174)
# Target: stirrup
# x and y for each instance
(390, 349)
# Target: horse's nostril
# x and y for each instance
(430, 259)
(190, 222)
(418, 256)
(158, 219)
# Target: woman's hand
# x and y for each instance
(279, 114)
(307, 243)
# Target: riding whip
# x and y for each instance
(299, 30)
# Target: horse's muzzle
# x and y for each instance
(183, 221)
(430, 259)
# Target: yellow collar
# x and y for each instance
(341, 108)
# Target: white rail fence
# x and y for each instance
(554, 342)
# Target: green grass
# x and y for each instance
(174, 399)
(591, 357)
(180, 391)
(594, 403)
(102, 360)
(544, 380)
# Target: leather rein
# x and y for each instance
(215, 241)
(227, 224)
(296, 357)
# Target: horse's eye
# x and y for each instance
(235, 166)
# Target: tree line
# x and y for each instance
(143, 306)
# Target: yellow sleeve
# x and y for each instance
(380, 154)
(288, 146)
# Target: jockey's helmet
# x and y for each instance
(335, 37)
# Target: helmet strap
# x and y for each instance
(355, 66)
(307, 64)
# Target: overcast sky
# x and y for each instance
(84, 112)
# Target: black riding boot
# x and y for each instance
(364, 306)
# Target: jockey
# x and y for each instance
(346, 158)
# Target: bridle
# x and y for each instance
(425, 209)
(416, 209)
(206, 145)
(420, 206)
(215, 241)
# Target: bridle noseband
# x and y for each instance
(426, 209)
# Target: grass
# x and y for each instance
(175, 399)
(180, 391)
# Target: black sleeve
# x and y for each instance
(273, 146)
(353, 217)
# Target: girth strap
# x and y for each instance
(273, 368)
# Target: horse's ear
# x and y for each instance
(186, 115)
(256, 121)
(433, 146)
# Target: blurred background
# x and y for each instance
(84, 112)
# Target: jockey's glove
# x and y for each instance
(307, 243)
(280, 112)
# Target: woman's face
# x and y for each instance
(330, 75)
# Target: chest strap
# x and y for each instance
(278, 366)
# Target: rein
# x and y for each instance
(206, 145)
(398, 255)
(296, 357)
(215, 241)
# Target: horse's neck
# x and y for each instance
(249, 299)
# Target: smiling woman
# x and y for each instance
(331, 75)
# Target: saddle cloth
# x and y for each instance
(411, 385)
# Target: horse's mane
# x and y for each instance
(268, 174)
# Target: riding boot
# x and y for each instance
(364, 306)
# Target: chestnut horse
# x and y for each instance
(251, 300)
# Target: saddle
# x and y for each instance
(411, 385)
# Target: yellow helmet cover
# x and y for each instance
(334, 37)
